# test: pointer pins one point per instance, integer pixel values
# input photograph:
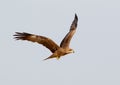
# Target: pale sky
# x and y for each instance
(96, 43)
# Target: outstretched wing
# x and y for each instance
(66, 41)
(51, 45)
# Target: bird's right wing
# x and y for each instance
(66, 41)
(48, 43)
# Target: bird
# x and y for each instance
(57, 50)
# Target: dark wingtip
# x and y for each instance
(75, 20)
(20, 36)
(74, 23)
(76, 16)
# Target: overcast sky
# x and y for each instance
(96, 43)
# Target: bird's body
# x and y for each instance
(60, 52)
(57, 50)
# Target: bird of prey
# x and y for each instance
(57, 51)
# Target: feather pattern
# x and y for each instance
(48, 43)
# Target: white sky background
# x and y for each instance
(96, 60)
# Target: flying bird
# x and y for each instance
(57, 51)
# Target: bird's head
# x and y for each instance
(71, 51)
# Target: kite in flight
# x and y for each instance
(57, 51)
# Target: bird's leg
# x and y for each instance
(57, 57)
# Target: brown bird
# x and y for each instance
(57, 51)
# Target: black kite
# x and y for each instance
(57, 51)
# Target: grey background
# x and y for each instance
(96, 60)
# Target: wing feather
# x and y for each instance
(48, 43)
(66, 41)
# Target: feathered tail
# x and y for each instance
(52, 56)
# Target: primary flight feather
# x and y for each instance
(57, 50)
